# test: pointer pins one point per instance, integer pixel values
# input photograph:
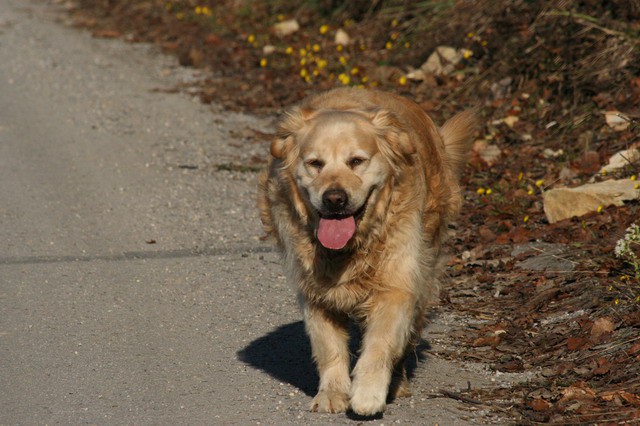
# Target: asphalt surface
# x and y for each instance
(134, 286)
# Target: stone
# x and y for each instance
(564, 203)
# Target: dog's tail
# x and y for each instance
(457, 134)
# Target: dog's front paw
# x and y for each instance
(368, 400)
(330, 401)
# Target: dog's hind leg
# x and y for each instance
(329, 335)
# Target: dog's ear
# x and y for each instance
(292, 122)
(280, 146)
(389, 128)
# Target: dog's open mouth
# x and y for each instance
(335, 231)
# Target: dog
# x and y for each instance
(358, 192)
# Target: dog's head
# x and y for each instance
(340, 160)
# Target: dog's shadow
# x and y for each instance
(285, 354)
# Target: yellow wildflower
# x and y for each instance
(324, 29)
(303, 52)
(354, 71)
(525, 219)
(251, 38)
(339, 48)
(402, 80)
(407, 45)
(388, 46)
(633, 177)
(344, 79)
(600, 208)
(539, 182)
(316, 47)
(488, 191)
(480, 191)
(467, 53)
(289, 50)
(342, 60)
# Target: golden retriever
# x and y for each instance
(358, 193)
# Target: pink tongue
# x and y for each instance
(334, 234)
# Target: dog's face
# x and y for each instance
(340, 162)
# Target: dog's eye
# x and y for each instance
(315, 164)
(355, 162)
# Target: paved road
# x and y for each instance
(134, 288)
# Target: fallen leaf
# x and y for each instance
(539, 404)
(579, 391)
(510, 121)
(575, 343)
(107, 33)
(490, 154)
(442, 60)
(342, 37)
(491, 340)
(622, 159)
(601, 326)
(617, 120)
(285, 28)
(620, 395)
(268, 49)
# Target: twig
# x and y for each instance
(458, 396)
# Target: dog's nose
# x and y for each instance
(335, 200)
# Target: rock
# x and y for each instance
(563, 203)
(621, 159)
(545, 257)
(285, 28)
(342, 37)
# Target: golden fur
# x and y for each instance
(397, 173)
